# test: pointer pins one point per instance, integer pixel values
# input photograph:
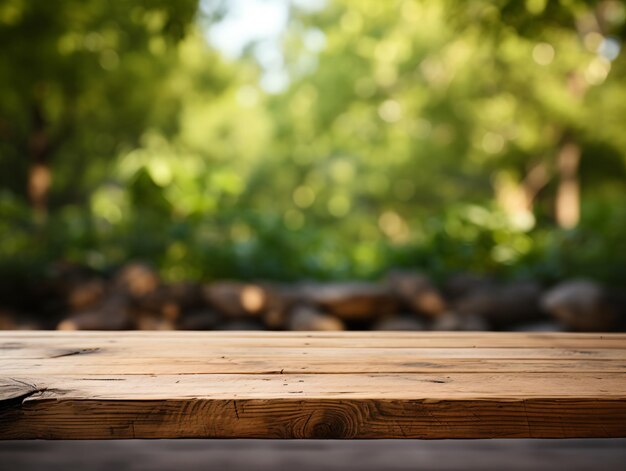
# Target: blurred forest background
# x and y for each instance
(480, 136)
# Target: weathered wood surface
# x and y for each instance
(304, 385)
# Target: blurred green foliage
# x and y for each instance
(407, 135)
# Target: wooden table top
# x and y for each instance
(73, 385)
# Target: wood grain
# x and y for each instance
(304, 385)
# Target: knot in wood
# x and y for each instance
(328, 421)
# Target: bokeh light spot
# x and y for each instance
(543, 54)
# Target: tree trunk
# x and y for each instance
(535, 180)
(39, 174)
(567, 205)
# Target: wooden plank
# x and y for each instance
(11, 340)
(401, 386)
(314, 364)
(354, 334)
(173, 385)
(186, 351)
(328, 419)
(317, 406)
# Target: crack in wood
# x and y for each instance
(236, 409)
(104, 379)
(82, 351)
(16, 402)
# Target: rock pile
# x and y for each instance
(135, 297)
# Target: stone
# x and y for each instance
(417, 292)
(399, 323)
(505, 305)
(280, 298)
(148, 321)
(240, 324)
(454, 321)
(350, 301)
(545, 326)
(168, 301)
(583, 305)
(235, 299)
(201, 319)
(310, 318)
(85, 294)
(113, 314)
(136, 280)
(461, 285)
